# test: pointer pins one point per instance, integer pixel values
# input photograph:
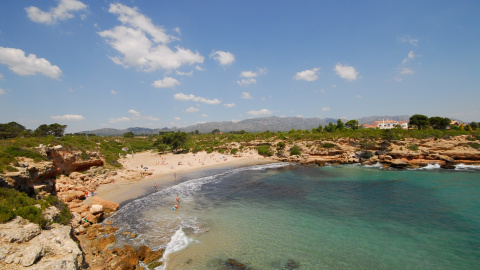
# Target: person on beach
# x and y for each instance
(178, 200)
(176, 206)
(155, 186)
(175, 175)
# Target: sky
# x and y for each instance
(92, 64)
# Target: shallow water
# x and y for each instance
(334, 217)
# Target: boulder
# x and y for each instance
(19, 230)
(30, 254)
(153, 256)
(399, 164)
(108, 206)
(96, 208)
(73, 195)
(234, 264)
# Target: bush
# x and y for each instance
(6, 214)
(475, 145)
(234, 151)
(295, 151)
(264, 150)
(33, 214)
(413, 147)
(328, 145)
(365, 154)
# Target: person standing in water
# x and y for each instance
(175, 175)
(178, 200)
(155, 186)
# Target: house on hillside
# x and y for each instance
(387, 124)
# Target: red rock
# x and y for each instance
(107, 205)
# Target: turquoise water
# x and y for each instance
(334, 217)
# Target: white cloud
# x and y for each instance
(246, 95)
(199, 68)
(60, 13)
(409, 39)
(229, 105)
(260, 112)
(177, 118)
(247, 82)
(134, 113)
(185, 73)
(192, 109)
(325, 109)
(113, 92)
(144, 45)
(204, 115)
(309, 75)
(66, 117)
(184, 97)
(2, 92)
(23, 65)
(406, 71)
(359, 96)
(167, 82)
(117, 120)
(223, 58)
(410, 56)
(346, 72)
(248, 74)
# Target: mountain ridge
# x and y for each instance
(270, 123)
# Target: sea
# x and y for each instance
(287, 216)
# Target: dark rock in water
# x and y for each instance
(189, 261)
(291, 264)
(234, 264)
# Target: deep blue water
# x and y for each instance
(333, 217)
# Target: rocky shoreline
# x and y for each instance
(86, 243)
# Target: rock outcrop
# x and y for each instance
(24, 244)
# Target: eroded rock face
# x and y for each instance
(23, 244)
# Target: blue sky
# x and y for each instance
(118, 64)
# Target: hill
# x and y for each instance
(272, 123)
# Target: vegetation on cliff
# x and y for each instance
(14, 203)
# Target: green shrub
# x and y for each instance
(328, 145)
(413, 147)
(281, 145)
(474, 145)
(6, 214)
(33, 214)
(264, 150)
(365, 154)
(234, 151)
(295, 150)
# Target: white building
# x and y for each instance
(387, 124)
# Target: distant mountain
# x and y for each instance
(272, 123)
(119, 132)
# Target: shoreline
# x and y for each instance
(142, 170)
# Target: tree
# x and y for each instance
(352, 124)
(128, 135)
(11, 130)
(438, 122)
(216, 131)
(44, 130)
(474, 125)
(340, 124)
(419, 120)
(331, 127)
(319, 128)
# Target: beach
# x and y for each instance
(141, 171)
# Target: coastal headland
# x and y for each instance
(93, 191)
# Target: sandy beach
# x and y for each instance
(141, 171)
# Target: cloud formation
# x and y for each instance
(229, 105)
(250, 76)
(246, 95)
(192, 109)
(118, 120)
(325, 109)
(346, 72)
(67, 117)
(60, 13)
(144, 45)
(308, 75)
(167, 82)
(247, 82)
(409, 39)
(2, 92)
(410, 56)
(223, 58)
(260, 112)
(185, 97)
(23, 65)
